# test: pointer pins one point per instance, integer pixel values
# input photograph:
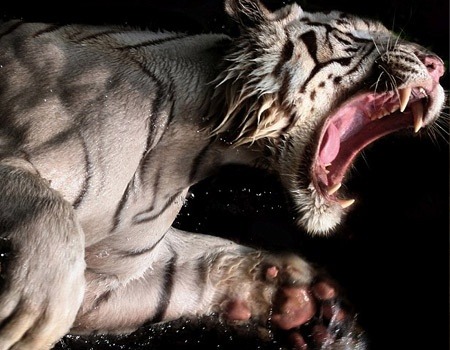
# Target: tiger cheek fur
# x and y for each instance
(104, 131)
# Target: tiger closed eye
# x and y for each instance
(106, 129)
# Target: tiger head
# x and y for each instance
(315, 89)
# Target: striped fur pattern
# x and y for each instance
(104, 129)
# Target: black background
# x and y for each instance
(391, 254)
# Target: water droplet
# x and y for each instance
(102, 254)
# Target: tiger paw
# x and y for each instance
(285, 294)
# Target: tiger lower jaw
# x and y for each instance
(318, 215)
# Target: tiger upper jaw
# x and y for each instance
(359, 122)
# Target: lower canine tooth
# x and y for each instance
(345, 203)
(333, 189)
(417, 124)
(417, 111)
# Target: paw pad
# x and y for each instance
(272, 272)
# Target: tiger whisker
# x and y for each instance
(439, 130)
(376, 47)
(375, 85)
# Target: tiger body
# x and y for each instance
(104, 129)
(132, 110)
(124, 207)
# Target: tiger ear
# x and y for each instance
(252, 13)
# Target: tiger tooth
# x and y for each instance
(376, 115)
(417, 111)
(333, 189)
(393, 109)
(418, 123)
(345, 203)
(404, 95)
(383, 112)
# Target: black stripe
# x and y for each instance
(156, 185)
(352, 50)
(121, 206)
(405, 58)
(134, 254)
(343, 21)
(97, 35)
(286, 55)
(164, 93)
(73, 36)
(171, 114)
(126, 195)
(103, 298)
(358, 64)
(13, 27)
(88, 175)
(153, 42)
(48, 29)
(202, 271)
(196, 163)
(310, 40)
(169, 202)
(366, 22)
(167, 290)
(161, 95)
(60, 138)
(285, 85)
(355, 38)
(326, 26)
(338, 35)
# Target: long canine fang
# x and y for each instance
(417, 111)
(404, 95)
(345, 203)
(333, 189)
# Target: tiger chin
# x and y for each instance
(104, 129)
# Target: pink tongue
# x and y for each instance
(330, 145)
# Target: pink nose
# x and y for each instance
(435, 66)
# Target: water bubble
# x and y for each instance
(102, 254)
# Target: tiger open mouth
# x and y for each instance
(359, 122)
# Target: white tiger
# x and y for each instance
(104, 129)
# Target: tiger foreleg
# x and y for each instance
(283, 293)
(41, 260)
(196, 275)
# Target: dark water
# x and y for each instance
(183, 334)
